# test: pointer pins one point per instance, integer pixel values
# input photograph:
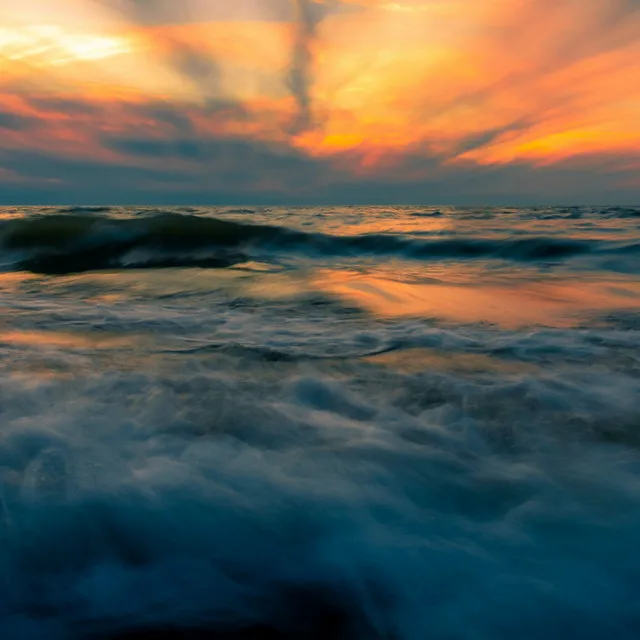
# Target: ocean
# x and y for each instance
(353, 423)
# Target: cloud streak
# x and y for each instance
(300, 76)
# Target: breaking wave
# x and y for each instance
(67, 243)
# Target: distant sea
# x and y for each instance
(353, 423)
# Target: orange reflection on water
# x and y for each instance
(553, 303)
(57, 339)
(417, 360)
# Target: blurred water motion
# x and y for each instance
(351, 422)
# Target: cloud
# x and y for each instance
(309, 14)
(303, 99)
(199, 65)
(163, 12)
(172, 160)
(16, 122)
(188, 60)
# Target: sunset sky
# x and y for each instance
(345, 101)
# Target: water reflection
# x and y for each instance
(67, 340)
(418, 360)
(559, 303)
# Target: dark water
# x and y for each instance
(355, 423)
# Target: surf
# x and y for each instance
(62, 243)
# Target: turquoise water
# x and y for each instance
(406, 423)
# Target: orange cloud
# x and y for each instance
(539, 80)
(470, 82)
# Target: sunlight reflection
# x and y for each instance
(59, 339)
(561, 304)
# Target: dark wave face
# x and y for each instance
(319, 423)
(78, 239)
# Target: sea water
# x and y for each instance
(405, 423)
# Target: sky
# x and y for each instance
(320, 102)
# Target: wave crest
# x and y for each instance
(73, 242)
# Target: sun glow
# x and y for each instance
(51, 45)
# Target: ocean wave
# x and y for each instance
(84, 209)
(196, 505)
(263, 456)
(427, 214)
(549, 213)
(67, 243)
